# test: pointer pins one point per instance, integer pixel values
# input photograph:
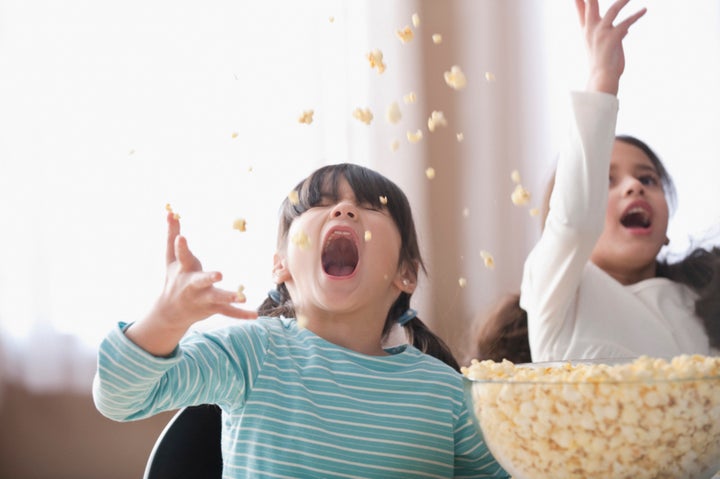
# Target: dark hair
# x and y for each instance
(368, 186)
(504, 333)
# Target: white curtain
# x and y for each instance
(110, 112)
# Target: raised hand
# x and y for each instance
(604, 42)
(189, 296)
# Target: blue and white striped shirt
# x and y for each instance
(297, 406)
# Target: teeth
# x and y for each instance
(637, 209)
(336, 234)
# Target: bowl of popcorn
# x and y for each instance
(606, 419)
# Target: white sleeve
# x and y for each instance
(553, 269)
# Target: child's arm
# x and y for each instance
(189, 296)
(554, 268)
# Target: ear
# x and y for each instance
(280, 271)
(406, 278)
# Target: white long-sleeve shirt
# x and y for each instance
(576, 310)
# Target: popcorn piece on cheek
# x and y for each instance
(415, 20)
(363, 114)
(430, 173)
(368, 235)
(437, 39)
(392, 114)
(306, 117)
(240, 294)
(520, 196)
(405, 35)
(375, 58)
(294, 197)
(394, 146)
(489, 76)
(455, 78)
(462, 282)
(410, 98)
(414, 137)
(437, 118)
(515, 176)
(487, 259)
(460, 137)
(301, 240)
(240, 224)
(383, 200)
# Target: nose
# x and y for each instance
(633, 186)
(344, 208)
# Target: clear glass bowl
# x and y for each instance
(559, 420)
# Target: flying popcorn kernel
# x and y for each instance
(169, 209)
(306, 117)
(375, 58)
(363, 114)
(534, 211)
(430, 173)
(515, 176)
(414, 137)
(394, 146)
(520, 196)
(235, 134)
(415, 20)
(487, 259)
(240, 224)
(437, 39)
(293, 197)
(460, 137)
(455, 78)
(462, 282)
(489, 76)
(437, 118)
(331, 19)
(301, 240)
(383, 200)
(240, 295)
(368, 235)
(410, 98)
(405, 35)
(131, 152)
(392, 114)
(466, 212)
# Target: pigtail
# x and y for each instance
(503, 334)
(418, 333)
(278, 303)
(700, 271)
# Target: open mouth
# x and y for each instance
(636, 217)
(340, 254)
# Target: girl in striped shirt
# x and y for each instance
(307, 390)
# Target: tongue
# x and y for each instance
(339, 270)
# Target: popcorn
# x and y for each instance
(301, 240)
(410, 98)
(234, 134)
(383, 200)
(487, 259)
(368, 235)
(375, 58)
(169, 209)
(515, 176)
(331, 19)
(240, 294)
(240, 224)
(294, 197)
(534, 211)
(437, 38)
(414, 137)
(455, 78)
(415, 20)
(489, 76)
(430, 173)
(466, 212)
(363, 114)
(131, 152)
(437, 118)
(405, 35)
(460, 137)
(392, 114)
(648, 418)
(394, 145)
(520, 196)
(462, 282)
(306, 117)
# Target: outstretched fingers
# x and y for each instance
(625, 25)
(172, 233)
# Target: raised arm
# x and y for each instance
(189, 296)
